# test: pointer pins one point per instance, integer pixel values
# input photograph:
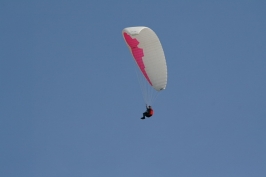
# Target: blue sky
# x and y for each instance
(71, 104)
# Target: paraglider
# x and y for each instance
(148, 113)
(148, 54)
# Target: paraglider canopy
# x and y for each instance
(148, 54)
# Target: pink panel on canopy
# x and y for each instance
(137, 54)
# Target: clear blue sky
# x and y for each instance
(70, 103)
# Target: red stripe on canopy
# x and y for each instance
(137, 54)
